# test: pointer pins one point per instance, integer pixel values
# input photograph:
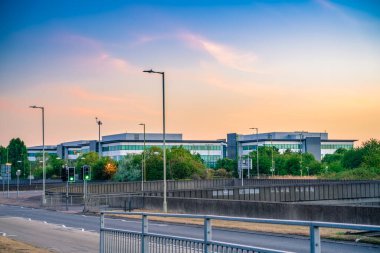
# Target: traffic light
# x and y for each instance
(71, 174)
(86, 172)
(64, 173)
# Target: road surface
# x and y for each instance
(65, 232)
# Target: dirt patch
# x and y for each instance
(8, 245)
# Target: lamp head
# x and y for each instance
(33, 106)
(148, 71)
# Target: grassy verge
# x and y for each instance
(328, 233)
(12, 246)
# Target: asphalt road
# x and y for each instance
(50, 221)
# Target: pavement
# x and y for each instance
(72, 231)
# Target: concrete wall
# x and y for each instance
(291, 211)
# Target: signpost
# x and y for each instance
(8, 175)
(18, 173)
(245, 163)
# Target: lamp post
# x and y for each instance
(271, 143)
(301, 136)
(99, 124)
(143, 170)
(43, 152)
(257, 150)
(165, 207)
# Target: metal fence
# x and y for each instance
(284, 193)
(117, 240)
(157, 186)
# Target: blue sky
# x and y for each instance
(230, 65)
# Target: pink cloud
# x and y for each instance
(230, 57)
(83, 94)
(95, 53)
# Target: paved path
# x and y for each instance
(55, 220)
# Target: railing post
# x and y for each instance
(315, 239)
(144, 230)
(101, 246)
(207, 235)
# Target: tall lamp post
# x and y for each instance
(271, 143)
(257, 150)
(43, 152)
(99, 124)
(301, 149)
(143, 170)
(165, 207)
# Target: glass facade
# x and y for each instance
(337, 146)
(141, 147)
(209, 160)
(278, 146)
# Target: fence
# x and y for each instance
(117, 240)
(157, 186)
(284, 193)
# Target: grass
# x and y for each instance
(12, 246)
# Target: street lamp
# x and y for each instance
(143, 170)
(271, 143)
(99, 124)
(257, 150)
(165, 207)
(43, 152)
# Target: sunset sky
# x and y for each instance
(229, 66)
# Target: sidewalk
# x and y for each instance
(33, 199)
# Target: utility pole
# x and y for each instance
(99, 146)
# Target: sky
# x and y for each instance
(229, 66)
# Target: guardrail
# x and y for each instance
(117, 240)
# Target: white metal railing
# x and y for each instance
(117, 240)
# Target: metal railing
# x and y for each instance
(117, 240)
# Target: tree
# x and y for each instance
(182, 164)
(229, 165)
(3, 155)
(371, 153)
(104, 168)
(154, 163)
(352, 158)
(53, 166)
(17, 155)
(265, 159)
(129, 168)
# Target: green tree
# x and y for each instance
(352, 158)
(104, 168)
(3, 155)
(371, 153)
(89, 159)
(182, 164)
(154, 164)
(265, 159)
(53, 166)
(229, 165)
(17, 155)
(129, 169)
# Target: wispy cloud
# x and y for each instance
(83, 94)
(97, 54)
(230, 57)
(328, 5)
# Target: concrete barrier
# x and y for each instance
(292, 211)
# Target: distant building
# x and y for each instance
(318, 144)
(118, 145)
